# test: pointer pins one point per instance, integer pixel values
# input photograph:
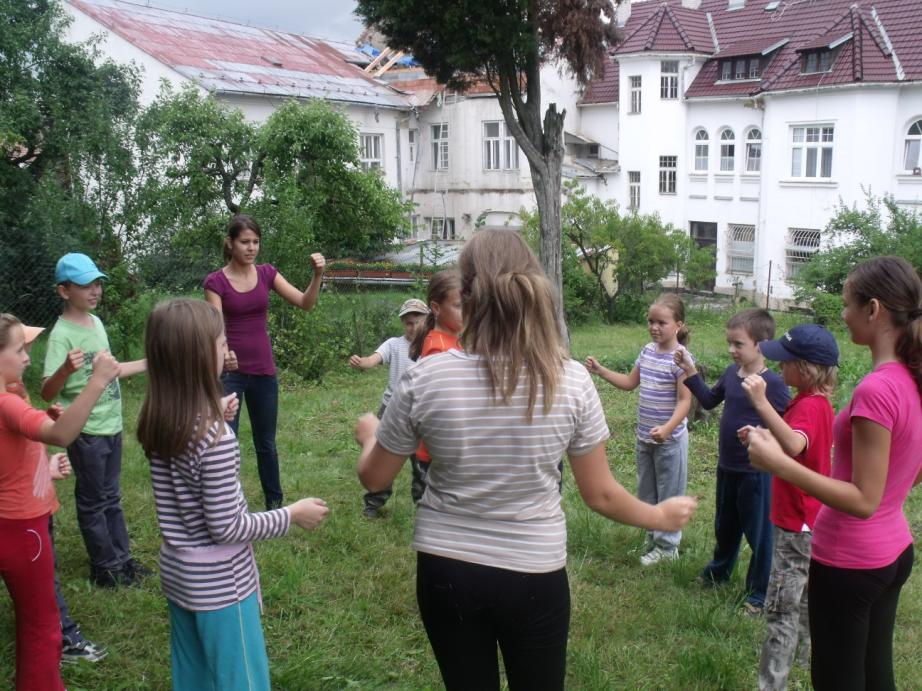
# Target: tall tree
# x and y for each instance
(506, 42)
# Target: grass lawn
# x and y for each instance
(340, 602)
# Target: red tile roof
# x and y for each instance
(666, 26)
(605, 88)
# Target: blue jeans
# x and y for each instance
(662, 472)
(97, 464)
(261, 395)
(743, 504)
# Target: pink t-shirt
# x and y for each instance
(26, 490)
(245, 317)
(887, 396)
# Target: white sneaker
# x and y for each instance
(658, 554)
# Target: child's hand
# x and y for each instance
(743, 434)
(754, 386)
(659, 434)
(59, 466)
(684, 359)
(676, 512)
(356, 362)
(230, 361)
(765, 453)
(593, 365)
(308, 513)
(54, 411)
(319, 262)
(230, 405)
(365, 428)
(105, 367)
(75, 360)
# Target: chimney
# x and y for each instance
(623, 13)
(691, 4)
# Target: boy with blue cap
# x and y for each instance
(809, 358)
(96, 455)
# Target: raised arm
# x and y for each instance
(792, 443)
(52, 385)
(308, 298)
(129, 369)
(661, 433)
(606, 496)
(625, 382)
(67, 427)
(859, 497)
(359, 362)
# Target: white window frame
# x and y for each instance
(726, 70)
(753, 150)
(412, 140)
(817, 62)
(755, 68)
(636, 84)
(702, 150)
(739, 69)
(812, 150)
(669, 80)
(500, 151)
(439, 157)
(912, 148)
(727, 150)
(800, 246)
(371, 151)
(741, 243)
(668, 169)
(633, 177)
(441, 228)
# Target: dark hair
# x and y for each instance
(674, 304)
(237, 225)
(758, 324)
(510, 319)
(440, 285)
(894, 283)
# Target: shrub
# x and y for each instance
(827, 308)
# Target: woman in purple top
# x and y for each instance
(240, 291)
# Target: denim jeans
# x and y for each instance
(787, 621)
(261, 395)
(743, 504)
(662, 472)
(97, 464)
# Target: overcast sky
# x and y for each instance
(331, 19)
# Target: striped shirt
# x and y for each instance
(201, 509)
(658, 379)
(492, 496)
(395, 353)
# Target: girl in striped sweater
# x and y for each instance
(207, 568)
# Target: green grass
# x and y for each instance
(340, 602)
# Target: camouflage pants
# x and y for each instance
(786, 618)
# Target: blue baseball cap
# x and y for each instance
(77, 268)
(808, 342)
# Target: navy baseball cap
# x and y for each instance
(77, 268)
(808, 342)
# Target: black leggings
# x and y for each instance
(468, 609)
(852, 614)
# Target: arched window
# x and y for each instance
(911, 157)
(754, 150)
(701, 151)
(727, 150)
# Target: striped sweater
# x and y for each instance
(492, 494)
(206, 561)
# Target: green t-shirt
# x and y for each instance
(106, 418)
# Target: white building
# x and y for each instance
(747, 122)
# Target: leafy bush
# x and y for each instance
(827, 308)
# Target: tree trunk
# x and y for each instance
(547, 197)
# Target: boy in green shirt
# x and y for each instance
(96, 455)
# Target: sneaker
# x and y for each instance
(371, 512)
(83, 650)
(658, 554)
(751, 610)
(109, 578)
(136, 571)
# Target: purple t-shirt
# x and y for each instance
(887, 396)
(245, 316)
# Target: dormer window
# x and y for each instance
(817, 61)
(741, 68)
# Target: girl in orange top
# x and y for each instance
(439, 333)
(27, 499)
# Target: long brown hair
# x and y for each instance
(509, 316)
(184, 392)
(676, 306)
(7, 322)
(237, 225)
(440, 285)
(894, 283)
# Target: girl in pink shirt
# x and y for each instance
(862, 544)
